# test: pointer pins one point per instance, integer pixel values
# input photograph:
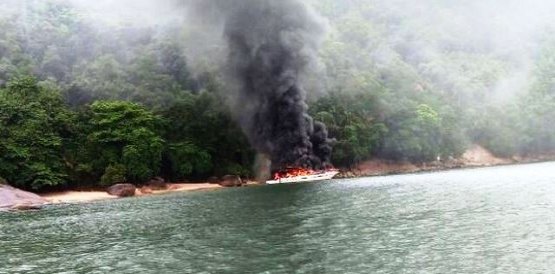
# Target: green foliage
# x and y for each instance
(545, 69)
(119, 102)
(535, 125)
(113, 174)
(32, 134)
(421, 134)
(524, 129)
(350, 120)
(187, 159)
(199, 127)
(413, 135)
(127, 134)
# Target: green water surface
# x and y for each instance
(493, 220)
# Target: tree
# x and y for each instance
(33, 129)
(127, 135)
(414, 135)
(351, 121)
(202, 139)
(187, 159)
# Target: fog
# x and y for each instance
(465, 59)
(511, 31)
(419, 31)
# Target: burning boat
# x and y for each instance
(300, 175)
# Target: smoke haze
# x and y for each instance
(269, 45)
(270, 59)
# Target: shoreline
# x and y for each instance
(354, 174)
(77, 197)
(475, 157)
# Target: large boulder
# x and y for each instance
(122, 190)
(16, 199)
(231, 181)
(157, 183)
(146, 190)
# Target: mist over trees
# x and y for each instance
(90, 97)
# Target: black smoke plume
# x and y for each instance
(271, 43)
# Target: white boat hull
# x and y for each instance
(306, 178)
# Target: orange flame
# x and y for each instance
(293, 172)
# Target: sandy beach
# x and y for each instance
(476, 156)
(89, 196)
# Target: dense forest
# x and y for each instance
(86, 103)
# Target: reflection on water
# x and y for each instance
(499, 220)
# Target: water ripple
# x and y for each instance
(495, 220)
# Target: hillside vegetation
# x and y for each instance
(86, 104)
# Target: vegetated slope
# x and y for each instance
(109, 101)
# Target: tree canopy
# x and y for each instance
(84, 103)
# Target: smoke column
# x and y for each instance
(270, 46)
